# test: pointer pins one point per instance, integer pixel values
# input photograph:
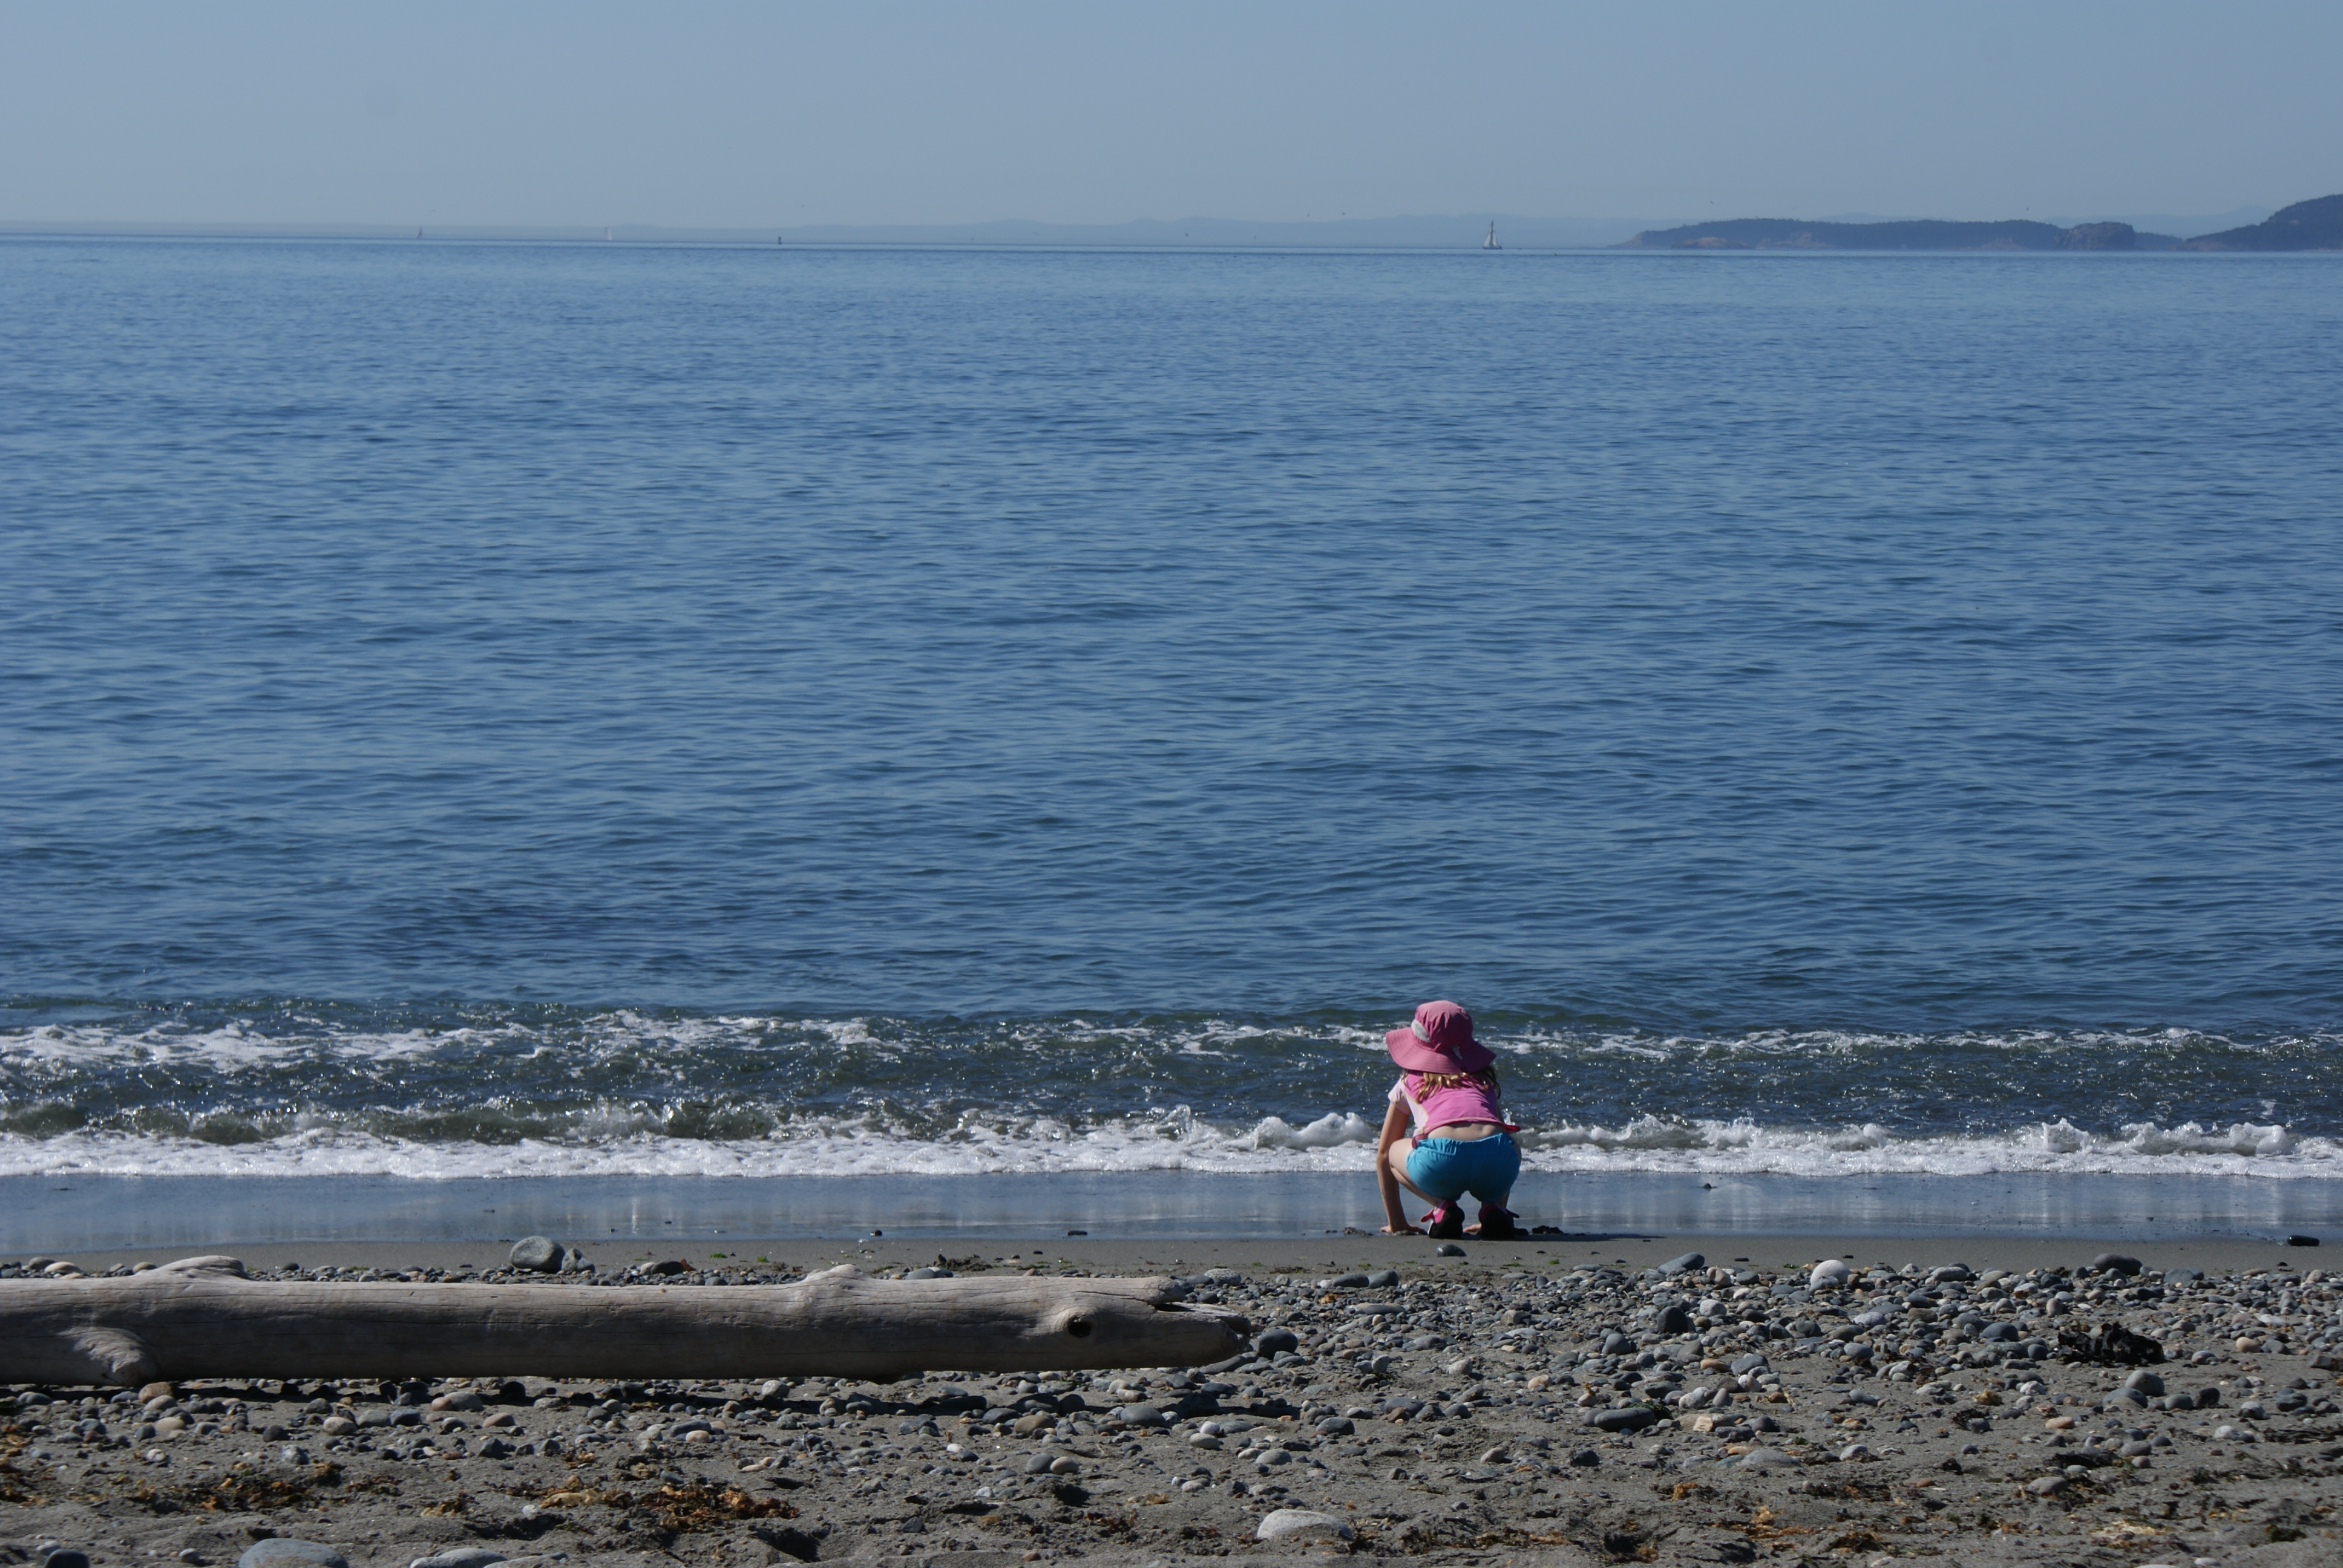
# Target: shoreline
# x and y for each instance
(1292, 1256)
(146, 1215)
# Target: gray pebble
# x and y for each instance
(1302, 1525)
(460, 1557)
(536, 1255)
(284, 1551)
(1689, 1262)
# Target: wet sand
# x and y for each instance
(1526, 1402)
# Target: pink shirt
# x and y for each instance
(1468, 1102)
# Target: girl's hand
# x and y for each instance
(1401, 1229)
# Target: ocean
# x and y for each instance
(631, 712)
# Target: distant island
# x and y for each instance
(2316, 225)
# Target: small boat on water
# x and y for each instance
(1491, 243)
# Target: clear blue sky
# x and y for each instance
(757, 115)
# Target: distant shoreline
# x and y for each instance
(2315, 225)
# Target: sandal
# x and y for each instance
(1446, 1222)
(1497, 1224)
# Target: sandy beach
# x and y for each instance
(1576, 1399)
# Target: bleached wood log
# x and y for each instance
(203, 1316)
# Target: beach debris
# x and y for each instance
(203, 1316)
(2109, 1344)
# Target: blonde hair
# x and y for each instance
(1433, 1082)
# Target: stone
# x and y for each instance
(537, 1255)
(285, 1551)
(1586, 1459)
(1141, 1415)
(1382, 1279)
(1274, 1340)
(1742, 1366)
(66, 1557)
(460, 1557)
(1039, 1464)
(2144, 1381)
(2047, 1485)
(1061, 1465)
(1767, 1459)
(151, 1392)
(1634, 1418)
(1344, 1282)
(1675, 1319)
(1999, 1333)
(1829, 1274)
(1302, 1525)
(1690, 1261)
(1448, 1250)
(2119, 1262)
(2183, 1276)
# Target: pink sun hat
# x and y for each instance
(1439, 1040)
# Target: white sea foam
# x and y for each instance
(613, 1093)
(617, 1144)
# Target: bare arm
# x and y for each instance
(1396, 1122)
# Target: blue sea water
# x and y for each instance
(607, 709)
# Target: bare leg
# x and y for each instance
(1398, 1158)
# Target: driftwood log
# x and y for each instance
(203, 1316)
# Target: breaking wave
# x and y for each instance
(297, 1089)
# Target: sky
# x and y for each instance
(721, 114)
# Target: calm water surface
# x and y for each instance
(708, 709)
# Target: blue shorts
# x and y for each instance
(1448, 1168)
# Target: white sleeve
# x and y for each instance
(1400, 1096)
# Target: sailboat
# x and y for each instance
(1491, 243)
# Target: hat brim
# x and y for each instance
(1416, 1056)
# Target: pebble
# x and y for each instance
(1448, 1250)
(1683, 1264)
(1634, 1418)
(287, 1552)
(460, 1557)
(1302, 1525)
(1827, 1274)
(536, 1255)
